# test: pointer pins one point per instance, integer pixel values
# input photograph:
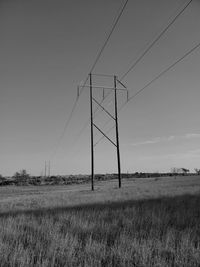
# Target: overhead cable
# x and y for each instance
(116, 20)
(156, 40)
(152, 81)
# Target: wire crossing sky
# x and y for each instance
(142, 56)
(92, 68)
(152, 81)
(47, 48)
(156, 39)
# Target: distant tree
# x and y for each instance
(185, 171)
(197, 171)
(2, 179)
(21, 176)
(175, 171)
(16, 175)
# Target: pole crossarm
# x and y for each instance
(104, 135)
(102, 75)
(103, 87)
(103, 108)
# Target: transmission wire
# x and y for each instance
(183, 7)
(155, 40)
(116, 20)
(152, 81)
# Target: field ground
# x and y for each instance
(33, 197)
(149, 222)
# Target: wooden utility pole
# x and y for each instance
(117, 133)
(92, 138)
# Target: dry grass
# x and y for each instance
(152, 232)
(14, 198)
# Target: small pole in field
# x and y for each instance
(45, 169)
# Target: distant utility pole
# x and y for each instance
(49, 168)
(115, 119)
(45, 169)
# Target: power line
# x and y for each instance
(152, 43)
(183, 8)
(140, 57)
(116, 20)
(109, 35)
(152, 81)
(156, 40)
(130, 69)
(163, 72)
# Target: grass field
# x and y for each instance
(149, 222)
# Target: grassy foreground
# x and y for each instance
(159, 232)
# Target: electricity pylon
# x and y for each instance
(113, 117)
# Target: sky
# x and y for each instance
(47, 48)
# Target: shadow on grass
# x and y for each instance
(172, 202)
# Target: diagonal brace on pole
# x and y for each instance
(104, 134)
(121, 84)
(103, 108)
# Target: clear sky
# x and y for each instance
(47, 48)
